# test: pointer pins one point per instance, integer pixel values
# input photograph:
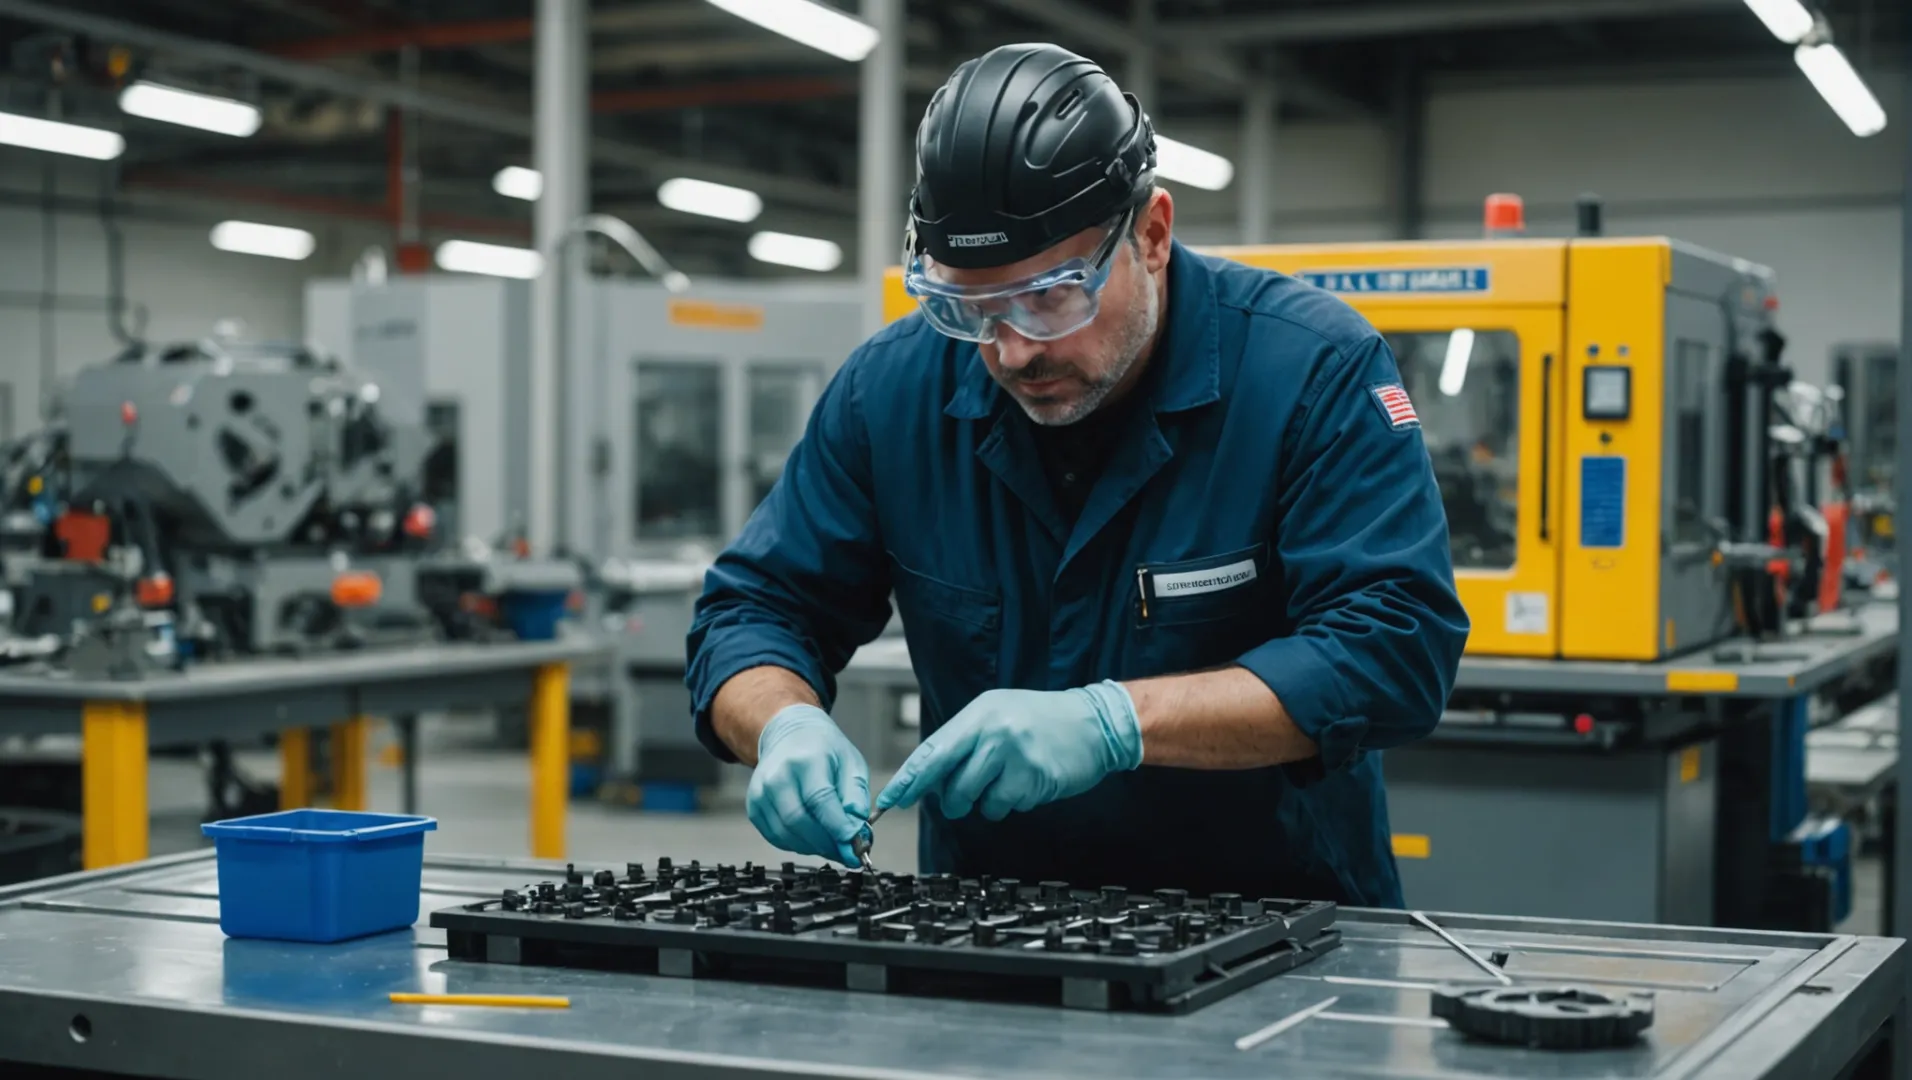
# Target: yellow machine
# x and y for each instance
(1593, 412)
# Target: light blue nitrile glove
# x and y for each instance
(810, 792)
(1018, 749)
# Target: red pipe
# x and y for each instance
(743, 92)
(429, 36)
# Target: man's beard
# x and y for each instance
(1129, 347)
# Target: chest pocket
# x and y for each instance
(1194, 613)
(954, 634)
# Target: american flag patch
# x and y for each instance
(1396, 406)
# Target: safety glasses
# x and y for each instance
(1042, 307)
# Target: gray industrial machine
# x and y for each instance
(216, 499)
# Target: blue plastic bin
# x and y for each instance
(533, 614)
(318, 875)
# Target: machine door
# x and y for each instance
(1487, 384)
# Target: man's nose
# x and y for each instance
(1013, 351)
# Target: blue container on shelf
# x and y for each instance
(533, 614)
(318, 875)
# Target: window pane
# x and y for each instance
(677, 450)
(1468, 398)
(1692, 364)
(780, 400)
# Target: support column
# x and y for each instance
(550, 717)
(112, 783)
(1140, 78)
(1255, 181)
(1408, 119)
(348, 764)
(1902, 491)
(879, 183)
(559, 152)
(295, 768)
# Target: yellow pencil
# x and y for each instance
(502, 1001)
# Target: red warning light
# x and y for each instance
(129, 413)
(1506, 215)
(1583, 724)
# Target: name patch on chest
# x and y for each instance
(1196, 582)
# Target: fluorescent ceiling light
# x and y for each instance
(184, 107)
(1789, 20)
(471, 257)
(802, 252)
(1460, 350)
(808, 23)
(1832, 75)
(1186, 164)
(518, 182)
(55, 137)
(252, 238)
(710, 200)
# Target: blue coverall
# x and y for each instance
(1274, 478)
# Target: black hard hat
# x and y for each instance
(1022, 148)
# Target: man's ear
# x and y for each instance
(1156, 229)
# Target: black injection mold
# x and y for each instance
(989, 938)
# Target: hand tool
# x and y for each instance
(1464, 950)
(503, 1001)
(861, 845)
(1256, 1038)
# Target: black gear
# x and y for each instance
(1554, 1017)
(1022, 148)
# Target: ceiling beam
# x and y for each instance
(822, 197)
(1342, 22)
(1194, 63)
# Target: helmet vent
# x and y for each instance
(1068, 103)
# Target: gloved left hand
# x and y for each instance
(1018, 749)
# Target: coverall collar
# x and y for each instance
(1188, 354)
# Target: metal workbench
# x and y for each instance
(126, 971)
(119, 719)
(1668, 806)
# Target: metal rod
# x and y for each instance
(1462, 949)
(1256, 1038)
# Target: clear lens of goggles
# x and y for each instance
(1047, 306)
(1040, 311)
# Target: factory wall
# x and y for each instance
(1756, 168)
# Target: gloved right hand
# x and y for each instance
(810, 793)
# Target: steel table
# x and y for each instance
(118, 719)
(125, 970)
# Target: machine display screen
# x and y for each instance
(1465, 385)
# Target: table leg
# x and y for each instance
(295, 768)
(113, 783)
(550, 758)
(408, 746)
(348, 763)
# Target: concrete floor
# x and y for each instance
(480, 797)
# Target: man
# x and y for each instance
(1168, 552)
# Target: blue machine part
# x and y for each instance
(1788, 799)
(1603, 501)
(1827, 842)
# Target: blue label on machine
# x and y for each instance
(1603, 501)
(1417, 279)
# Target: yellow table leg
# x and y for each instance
(295, 768)
(550, 759)
(348, 763)
(113, 782)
